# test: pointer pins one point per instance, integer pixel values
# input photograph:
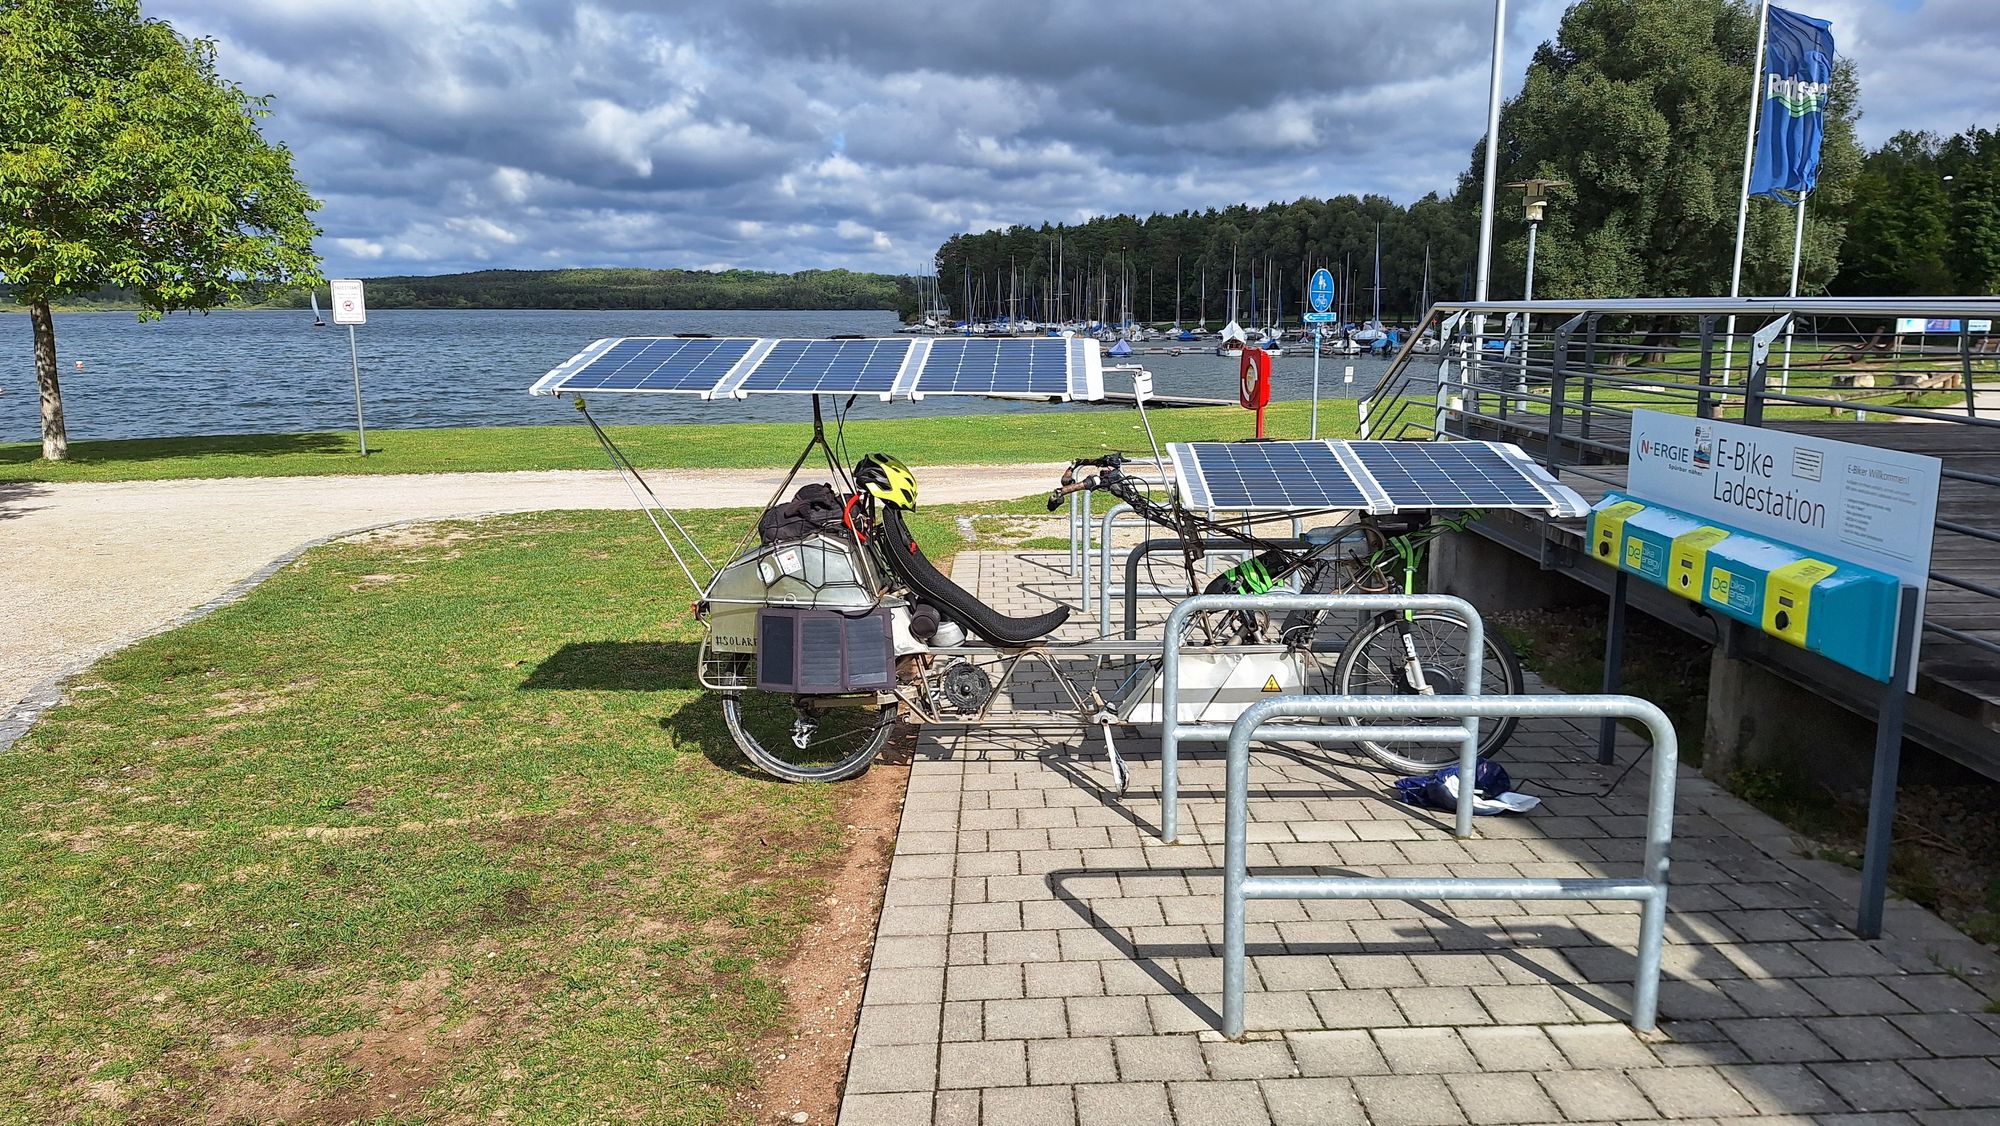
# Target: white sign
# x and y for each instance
(349, 306)
(1320, 318)
(1863, 504)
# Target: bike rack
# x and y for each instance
(1238, 886)
(1172, 731)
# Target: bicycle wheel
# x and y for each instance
(1374, 664)
(808, 738)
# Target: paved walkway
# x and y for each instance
(1043, 960)
(87, 568)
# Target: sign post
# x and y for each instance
(350, 308)
(1320, 292)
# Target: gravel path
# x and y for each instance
(87, 568)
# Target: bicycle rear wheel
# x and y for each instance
(808, 738)
(1374, 662)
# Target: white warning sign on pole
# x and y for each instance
(350, 307)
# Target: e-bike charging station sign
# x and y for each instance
(1873, 507)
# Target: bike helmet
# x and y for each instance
(887, 480)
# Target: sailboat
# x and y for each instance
(318, 321)
(1371, 334)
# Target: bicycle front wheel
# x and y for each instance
(1376, 662)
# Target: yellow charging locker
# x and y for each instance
(1607, 529)
(1688, 561)
(1788, 598)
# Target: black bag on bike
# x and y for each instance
(814, 508)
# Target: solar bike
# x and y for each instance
(829, 625)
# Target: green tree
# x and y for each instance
(1640, 105)
(126, 160)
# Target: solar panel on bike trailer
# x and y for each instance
(1462, 475)
(649, 364)
(825, 367)
(1267, 476)
(1043, 367)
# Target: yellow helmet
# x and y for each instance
(887, 480)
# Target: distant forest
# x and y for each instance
(598, 289)
(643, 289)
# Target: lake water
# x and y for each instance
(271, 372)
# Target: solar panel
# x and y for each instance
(1266, 476)
(1448, 475)
(1029, 369)
(824, 367)
(1374, 477)
(654, 364)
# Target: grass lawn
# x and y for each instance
(952, 440)
(431, 826)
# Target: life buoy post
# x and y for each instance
(1254, 383)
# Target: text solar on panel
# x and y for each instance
(996, 367)
(828, 367)
(1271, 475)
(1448, 475)
(651, 363)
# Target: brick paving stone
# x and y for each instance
(1070, 1061)
(1524, 1004)
(1407, 1100)
(1249, 1059)
(914, 985)
(1868, 1038)
(956, 1108)
(1027, 1106)
(881, 1070)
(1777, 1040)
(1440, 1005)
(1855, 996)
(1331, 1053)
(983, 983)
(1313, 1102)
(1357, 1008)
(1597, 1047)
(1950, 1034)
(1596, 1096)
(1876, 1086)
(1224, 1103)
(1501, 1098)
(1512, 1049)
(1170, 1058)
(1962, 1082)
(1126, 1104)
(910, 1108)
(1025, 1019)
(1783, 1088)
(897, 1024)
(1938, 993)
(1424, 1051)
(983, 1063)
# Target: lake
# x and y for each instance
(259, 372)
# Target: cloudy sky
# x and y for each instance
(786, 134)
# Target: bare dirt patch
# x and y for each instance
(805, 1071)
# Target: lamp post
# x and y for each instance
(1535, 201)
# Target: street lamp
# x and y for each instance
(1536, 202)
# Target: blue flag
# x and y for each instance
(1798, 74)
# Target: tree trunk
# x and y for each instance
(55, 436)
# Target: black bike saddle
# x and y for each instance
(905, 558)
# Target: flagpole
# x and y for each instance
(1492, 169)
(1798, 253)
(1749, 155)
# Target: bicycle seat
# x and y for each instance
(905, 558)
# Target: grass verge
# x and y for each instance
(432, 825)
(950, 440)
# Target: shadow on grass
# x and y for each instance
(616, 666)
(14, 495)
(156, 449)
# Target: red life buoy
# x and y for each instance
(1254, 379)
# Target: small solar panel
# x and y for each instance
(1373, 477)
(1450, 475)
(658, 364)
(973, 366)
(825, 367)
(1266, 476)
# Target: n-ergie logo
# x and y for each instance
(1665, 451)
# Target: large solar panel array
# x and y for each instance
(1038, 368)
(1374, 477)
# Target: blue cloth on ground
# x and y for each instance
(1492, 790)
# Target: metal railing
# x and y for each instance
(1563, 378)
(1239, 887)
